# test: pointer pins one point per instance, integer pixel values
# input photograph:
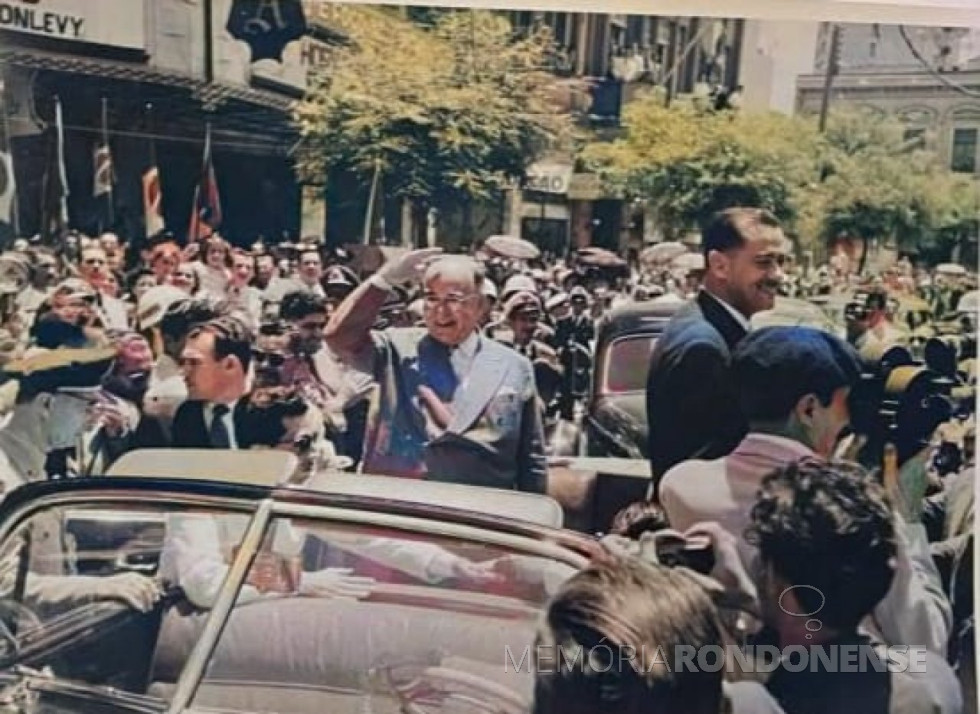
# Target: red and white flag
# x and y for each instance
(206, 213)
(152, 201)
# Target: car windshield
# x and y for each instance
(330, 615)
(627, 364)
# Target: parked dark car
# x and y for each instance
(615, 418)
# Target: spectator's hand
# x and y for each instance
(336, 583)
(452, 567)
(407, 267)
(528, 570)
(138, 591)
(190, 251)
(118, 418)
(906, 487)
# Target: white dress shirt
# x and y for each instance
(739, 317)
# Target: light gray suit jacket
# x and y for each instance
(495, 437)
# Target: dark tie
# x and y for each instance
(441, 376)
(218, 433)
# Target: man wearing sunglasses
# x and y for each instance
(452, 405)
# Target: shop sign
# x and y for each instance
(114, 23)
(548, 178)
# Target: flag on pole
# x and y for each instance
(152, 201)
(8, 187)
(206, 213)
(55, 192)
(104, 174)
(62, 169)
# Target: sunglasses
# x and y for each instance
(273, 359)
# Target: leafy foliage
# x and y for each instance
(857, 180)
(448, 113)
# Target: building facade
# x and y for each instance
(938, 101)
(563, 208)
(152, 74)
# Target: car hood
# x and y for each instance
(624, 418)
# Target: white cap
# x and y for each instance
(154, 304)
(519, 284)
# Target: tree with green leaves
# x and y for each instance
(448, 114)
(857, 181)
(688, 161)
(882, 190)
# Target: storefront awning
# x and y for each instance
(214, 92)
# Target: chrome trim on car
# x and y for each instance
(546, 549)
(193, 671)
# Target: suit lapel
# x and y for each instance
(716, 314)
(483, 382)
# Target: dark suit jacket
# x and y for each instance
(692, 405)
(189, 430)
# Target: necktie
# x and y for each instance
(218, 433)
(441, 376)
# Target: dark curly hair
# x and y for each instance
(298, 304)
(259, 416)
(828, 526)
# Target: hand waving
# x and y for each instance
(407, 267)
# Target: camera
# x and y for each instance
(693, 552)
(901, 401)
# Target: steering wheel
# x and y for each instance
(422, 689)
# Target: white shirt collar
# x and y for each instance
(468, 347)
(739, 317)
(784, 442)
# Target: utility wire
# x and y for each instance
(955, 86)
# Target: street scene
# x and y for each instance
(368, 358)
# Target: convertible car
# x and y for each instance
(276, 599)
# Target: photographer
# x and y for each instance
(869, 327)
(793, 386)
(335, 388)
(828, 545)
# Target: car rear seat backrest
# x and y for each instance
(333, 643)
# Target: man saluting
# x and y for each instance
(450, 404)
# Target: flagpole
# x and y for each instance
(149, 130)
(105, 143)
(15, 207)
(62, 171)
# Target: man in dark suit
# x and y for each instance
(692, 409)
(450, 405)
(215, 362)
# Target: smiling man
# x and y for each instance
(692, 411)
(451, 405)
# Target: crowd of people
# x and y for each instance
(463, 368)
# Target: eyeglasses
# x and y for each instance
(453, 302)
(273, 359)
